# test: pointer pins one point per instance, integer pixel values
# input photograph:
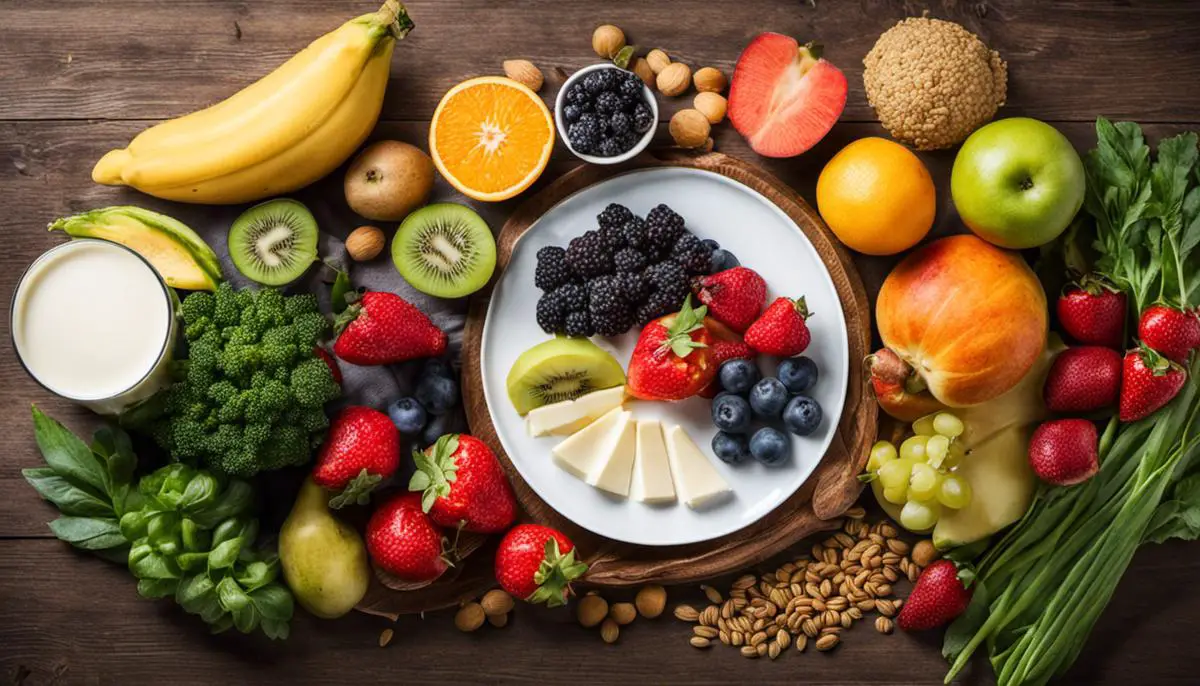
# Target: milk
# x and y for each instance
(93, 322)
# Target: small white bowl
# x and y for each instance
(560, 101)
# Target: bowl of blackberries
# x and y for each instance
(605, 114)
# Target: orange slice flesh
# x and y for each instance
(491, 137)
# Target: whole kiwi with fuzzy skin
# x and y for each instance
(388, 180)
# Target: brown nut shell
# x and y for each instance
(674, 79)
(689, 128)
(710, 80)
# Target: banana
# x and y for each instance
(279, 134)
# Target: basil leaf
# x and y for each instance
(224, 623)
(117, 555)
(157, 588)
(237, 500)
(246, 618)
(89, 533)
(195, 593)
(337, 292)
(232, 597)
(224, 555)
(256, 575)
(199, 493)
(147, 563)
(67, 498)
(68, 456)
(114, 449)
(275, 630)
(275, 602)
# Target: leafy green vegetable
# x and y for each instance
(182, 532)
(1041, 589)
(251, 393)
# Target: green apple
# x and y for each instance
(1017, 183)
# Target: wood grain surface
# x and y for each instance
(78, 78)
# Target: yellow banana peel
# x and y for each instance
(279, 134)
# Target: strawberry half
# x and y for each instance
(784, 98)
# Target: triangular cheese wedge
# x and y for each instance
(696, 480)
(586, 451)
(614, 475)
(652, 481)
(566, 417)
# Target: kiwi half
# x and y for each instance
(445, 250)
(560, 369)
(274, 242)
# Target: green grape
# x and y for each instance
(924, 426)
(936, 449)
(920, 515)
(881, 453)
(955, 456)
(954, 492)
(896, 496)
(924, 482)
(948, 425)
(913, 448)
(895, 474)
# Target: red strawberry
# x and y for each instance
(1083, 379)
(361, 449)
(781, 330)
(672, 359)
(329, 362)
(464, 485)
(784, 97)
(734, 296)
(1169, 331)
(941, 594)
(383, 328)
(1065, 452)
(403, 541)
(726, 345)
(537, 564)
(1148, 382)
(1093, 312)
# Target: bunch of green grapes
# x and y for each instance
(920, 475)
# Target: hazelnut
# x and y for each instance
(658, 60)
(609, 631)
(674, 79)
(924, 553)
(525, 73)
(710, 79)
(591, 610)
(651, 601)
(622, 613)
(498, 621)
(642, 68)
(496, 602)
(365, 243)
(711, 105)
(607, 41)
(689, 128)
(469, 617)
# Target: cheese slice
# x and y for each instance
(614, 475)
(652, 483)
(587, 451)
(566, 417)
(696, 480)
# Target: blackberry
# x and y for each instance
(631, 87)
(613, 216)
(584, 135)
(603, 298)
(629, 260)
(634, 230)
(571, 113)
(588, 256)
(552, 270)
(632, 286)
(658, 305)
(695, 257)
(601, 80)
(627, 140)
(613, 324)
(573, 296)
(590, 116)
(670, 280)
(664, 227)
(551, 315)
(579, 324)
(643, 118)
(614, 240)
(577, 94)
(619, 124)
(609, 147)
(607, 102)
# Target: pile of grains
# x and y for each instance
(815, 598)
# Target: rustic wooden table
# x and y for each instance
(77, 78)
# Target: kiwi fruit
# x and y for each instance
(560, 369)
(274, 242)
(445, 250)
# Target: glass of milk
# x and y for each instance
(93, 322)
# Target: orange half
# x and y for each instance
(491, 137)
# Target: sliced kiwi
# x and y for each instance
(445, 250)
(561, 369)
(274, 242)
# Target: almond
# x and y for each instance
(365, 243)
(469, 617)
(525, 73)
(496, 602)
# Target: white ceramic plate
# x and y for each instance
(764, 239)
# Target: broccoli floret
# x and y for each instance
(250, 394)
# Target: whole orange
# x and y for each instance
(877, 196)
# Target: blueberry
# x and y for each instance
(768, 397)
(730, 448)
(738, 376)
(723, 259)
(436, 366)
(437, 394)
(439, 426)
(802, 415)
(731, 413)
(710, 244)
(408, 416)
(798, 374)
(770, 446)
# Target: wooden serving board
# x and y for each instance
(829, 492)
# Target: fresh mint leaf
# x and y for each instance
(89, 533)
(69, 500)
(68, 456)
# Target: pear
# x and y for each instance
(324, 560)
